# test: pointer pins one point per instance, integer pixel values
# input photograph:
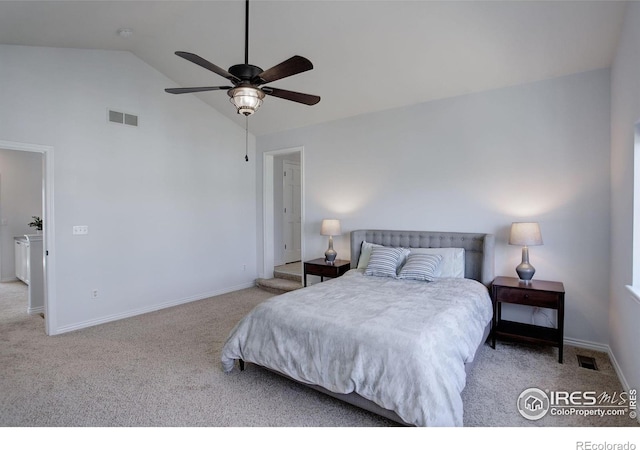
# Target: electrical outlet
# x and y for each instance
(80, 229)
(94, 293)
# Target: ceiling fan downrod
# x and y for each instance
(246, 32)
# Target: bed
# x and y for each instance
(400, 348)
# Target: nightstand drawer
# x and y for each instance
(528, 297)
(325, 271)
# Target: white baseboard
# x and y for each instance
(36, 310)
(137, 312)
(601, 348)
(625, 384)
(616, 366)
(588, 345)
(7, 280)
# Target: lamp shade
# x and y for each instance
(330, 227)
(525, 233)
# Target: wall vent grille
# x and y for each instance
(122, 118)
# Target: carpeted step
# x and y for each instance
(287, 275)
(278, 285)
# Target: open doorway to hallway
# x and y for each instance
(26, 172)
(21, 212)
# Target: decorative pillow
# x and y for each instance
(420, 267)
(384, 261)
(365, 254)
(452, 264)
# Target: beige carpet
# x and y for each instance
(162, 369)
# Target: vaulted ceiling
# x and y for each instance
(367, 55)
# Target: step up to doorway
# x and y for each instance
(286, 278)
(288, 273)
(278, 285)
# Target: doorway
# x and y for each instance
(46, 214)
(283, 207)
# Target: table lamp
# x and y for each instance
(525, 234)
(331, 228)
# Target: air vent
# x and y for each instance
(130, 119)
(587, 362)
(123, 118)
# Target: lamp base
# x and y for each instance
(525, 270)
(330, 254)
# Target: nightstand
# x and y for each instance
(320, 268)
(540, 293)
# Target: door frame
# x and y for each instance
(268, 254)
(48, 247)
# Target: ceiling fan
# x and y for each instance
(247, 91)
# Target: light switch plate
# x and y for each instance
(81, 229)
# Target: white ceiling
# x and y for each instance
(367, 55)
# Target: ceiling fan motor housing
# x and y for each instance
(246, 96)
(246, 72)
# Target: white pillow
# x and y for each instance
(365, 254)
(421, 267)
(452, 264)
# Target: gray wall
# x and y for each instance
(170, 205)
(475, 163)
(20, 199)
(624, 311)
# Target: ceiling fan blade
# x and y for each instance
(292, 66)
(306, 99)
(196, 89)
(208, 65)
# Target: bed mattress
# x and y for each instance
(401, 344)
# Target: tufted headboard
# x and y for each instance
(478, 247)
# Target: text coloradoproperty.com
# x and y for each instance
(573, 411)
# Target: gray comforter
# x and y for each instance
(401, 344)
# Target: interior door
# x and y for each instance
(291, 233)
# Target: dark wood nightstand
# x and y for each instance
(320, 268)
(540, 293)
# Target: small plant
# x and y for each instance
(37, 223)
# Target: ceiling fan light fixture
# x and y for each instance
(246, 99)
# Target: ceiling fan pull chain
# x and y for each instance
(246, 138)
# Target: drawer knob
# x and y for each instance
(526, 295)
